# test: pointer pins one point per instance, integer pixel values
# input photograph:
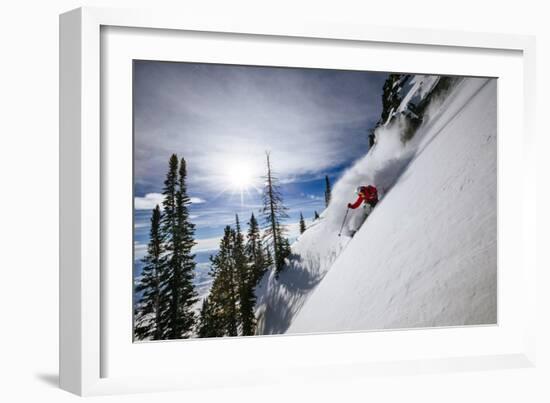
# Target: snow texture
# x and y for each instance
(426, 255)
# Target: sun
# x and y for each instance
(239, 176)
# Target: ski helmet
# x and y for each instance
(359, 189)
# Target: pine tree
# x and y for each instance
(274, 212)
(187, 232)
(204, 328)
(256, 254)
(315, 215)
(149, 308)
(170, 235)
(245, 281)
(268, 257)
(236, 270)
(327, 191)
(224, 293)
(179, 318)
(285, 249)
(302, 224)
(209, 324)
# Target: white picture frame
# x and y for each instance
(84, 307)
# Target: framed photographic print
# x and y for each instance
(267, 197)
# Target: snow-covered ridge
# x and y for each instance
(422, 258)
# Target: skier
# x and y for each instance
(367, 195)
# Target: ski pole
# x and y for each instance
(343, 222)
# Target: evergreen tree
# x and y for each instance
(149, 308)
(315, 215)
(285, 248)
(327, 191)
(245, 281)
(210, 324)
(204, 327)
(255, 252)
(189, 296)
(268, 257)
(274, 213)
(224, 294)
(179, 318)
(236, 270)
(302, 224)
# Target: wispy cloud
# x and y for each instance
(312, 197)
(150, 200)
(216, 116)
(202, 245)
(140, 249)
(147, 202)
(206, 244)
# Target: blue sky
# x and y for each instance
(222, 119)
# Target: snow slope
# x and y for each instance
(427, 254)
(312, 256)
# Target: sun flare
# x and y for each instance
(239, 176)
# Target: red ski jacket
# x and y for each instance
(368, 194)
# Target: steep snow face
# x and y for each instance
(427, 254)
(399, 233)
